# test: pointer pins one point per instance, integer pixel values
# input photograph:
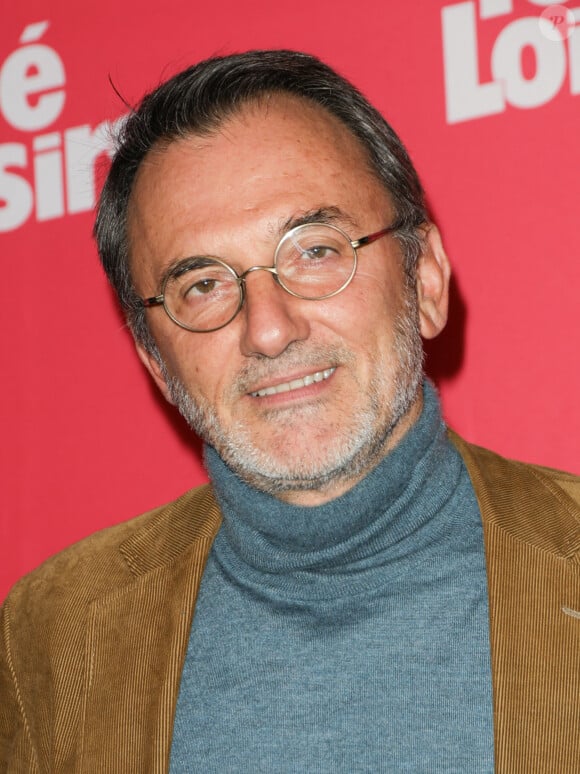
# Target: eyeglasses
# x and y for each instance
(312, 261)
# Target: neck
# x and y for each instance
(341, 484)
(388, 504)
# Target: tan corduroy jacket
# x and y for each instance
(93, 641)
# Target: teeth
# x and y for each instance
(295, 384)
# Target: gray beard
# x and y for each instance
(355, 452)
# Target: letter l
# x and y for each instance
(466, 97)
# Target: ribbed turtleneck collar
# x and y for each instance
(266, 542)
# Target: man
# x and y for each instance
(358, 590)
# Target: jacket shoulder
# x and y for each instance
(115, 556)
(534, 504)
(109, 588)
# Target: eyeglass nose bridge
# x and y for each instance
(271, 269)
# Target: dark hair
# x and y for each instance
(198, 100)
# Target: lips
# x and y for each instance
(294, 384)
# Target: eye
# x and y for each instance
(319, 251)
(210, 282)
(201, 287)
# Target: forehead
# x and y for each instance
(266, 163)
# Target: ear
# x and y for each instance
(433, 275)
(152, 365)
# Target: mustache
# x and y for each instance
(298, 355)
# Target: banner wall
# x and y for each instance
(486, 96)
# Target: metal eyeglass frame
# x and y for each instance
(241, 278)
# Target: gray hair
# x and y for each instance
(198, 100)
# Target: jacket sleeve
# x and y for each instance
(17, 754)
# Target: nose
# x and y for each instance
(272, 319)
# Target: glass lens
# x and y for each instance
(315, 261)
(203, 295)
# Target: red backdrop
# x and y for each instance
(485, 94)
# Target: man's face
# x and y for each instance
(346, 370)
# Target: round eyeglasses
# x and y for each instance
(312, 261)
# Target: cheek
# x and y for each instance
(205, 363)
(380, 286)
(368, 305)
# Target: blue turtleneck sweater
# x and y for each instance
(349, 637)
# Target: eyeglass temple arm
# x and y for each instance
(153, 301)
(366, 240)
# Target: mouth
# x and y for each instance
(294, 384)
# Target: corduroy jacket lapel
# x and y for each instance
(136, 643)
(532, 544)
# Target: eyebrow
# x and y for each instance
(181, 265)
(331, 215)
